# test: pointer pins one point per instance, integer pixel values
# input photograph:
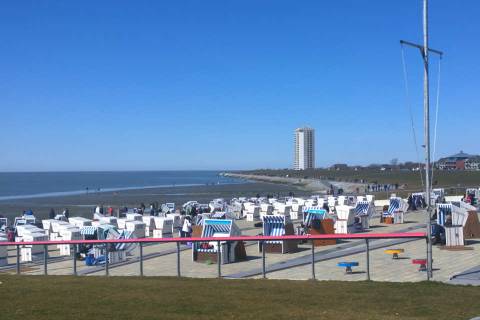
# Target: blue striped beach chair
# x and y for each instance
(396, 209)
(313, 213)
(275, 226)
(207, 251)
(454, 233)
(443, 210)
(459, 215)
(364, 210)
(394, 206)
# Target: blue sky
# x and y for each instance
(115, 85)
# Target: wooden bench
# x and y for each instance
(348, 266)
(422, 263)
(394, 252)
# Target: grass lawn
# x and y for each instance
(66, 297)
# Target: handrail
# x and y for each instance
(403, 235)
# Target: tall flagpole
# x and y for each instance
(426, 110)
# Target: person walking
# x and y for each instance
(187, 227)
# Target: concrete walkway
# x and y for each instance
(468, 277)
(161, 260)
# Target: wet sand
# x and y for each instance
(307, 184)
(82, 205)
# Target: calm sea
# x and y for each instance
(16, 185)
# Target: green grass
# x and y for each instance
(66, 297)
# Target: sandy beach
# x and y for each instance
(307, 185)
(82, 205)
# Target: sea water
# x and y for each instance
(21, 185)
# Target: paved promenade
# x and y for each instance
(160, 260)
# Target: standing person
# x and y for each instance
(110, 211)
(326, 207)
(66, 213)
(51, 215)
(187, 227)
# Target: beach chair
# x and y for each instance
(68, 233)
(133, 217)
(3, 253)
(88, 232)
(318, 221)
(364, 210)
(163, 227)
(396, 210)
(3, 224)
(283, 209)
(471, 230)
(29, 253)
(218, 215)
(454, 231)
(252, 213)
(138, 228)
(277, 225)
(79, 221)
(229, 251)
(345, 222)
(332, 202)
(108, 220)
(265, 208)
(126, 247)
(149, 224)
(177, 221)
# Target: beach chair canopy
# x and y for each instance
(363, 208)
(443, 210)
(216, 228)
(397, 204)
(313, 213)
(459, 215)
(88, 230)
(218, 215)
(274, 226)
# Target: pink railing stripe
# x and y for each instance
(237, 238)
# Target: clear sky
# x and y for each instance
(116, 85)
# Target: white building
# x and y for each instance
(304, 148)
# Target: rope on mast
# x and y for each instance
(409, 107)
(437, 104)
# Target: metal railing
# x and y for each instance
(218, 240)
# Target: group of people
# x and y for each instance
(381, 187)
(52, 214)
(416, 202)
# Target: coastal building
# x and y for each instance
(459, 161)
(304, 149)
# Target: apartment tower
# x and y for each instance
(304, 148)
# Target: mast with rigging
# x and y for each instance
(425, 50)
